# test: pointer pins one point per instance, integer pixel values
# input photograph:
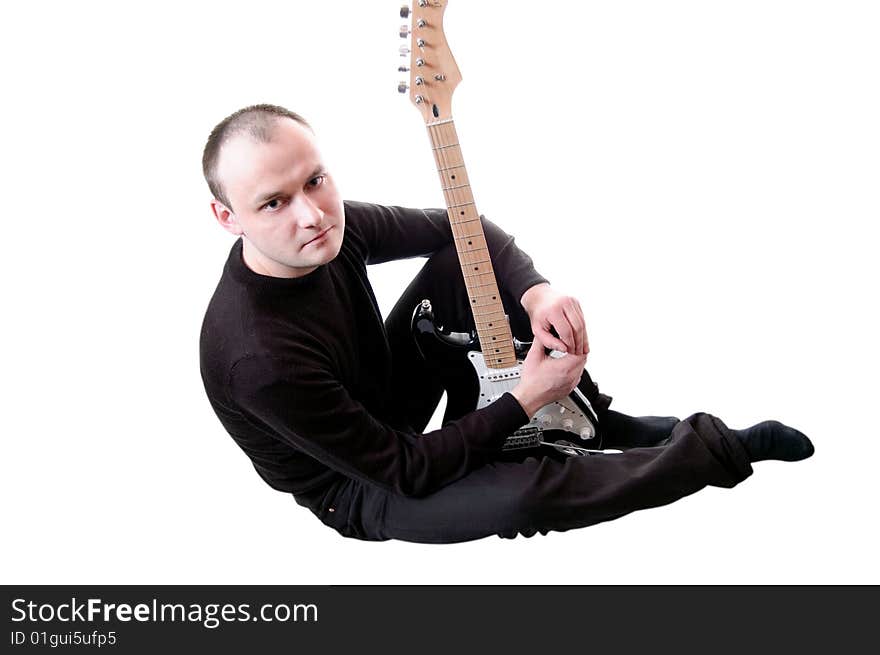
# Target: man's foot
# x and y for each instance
(774, 440)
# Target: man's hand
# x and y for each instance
(547, 308)
(545, 379)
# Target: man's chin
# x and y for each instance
(325, 256)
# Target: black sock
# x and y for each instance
(774, 440)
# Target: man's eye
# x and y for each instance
(317, 181)
(273, 204)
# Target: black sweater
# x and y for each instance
(298, 369)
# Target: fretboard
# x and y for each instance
(473, 254)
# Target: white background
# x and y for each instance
(703, 176)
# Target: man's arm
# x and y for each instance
(388, 233)
(307, 408)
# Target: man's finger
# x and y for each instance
(535, 355)
(549, 341)
(576, 321)
(565, 331)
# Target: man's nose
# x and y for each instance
(307, 213)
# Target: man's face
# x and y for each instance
(285, 204)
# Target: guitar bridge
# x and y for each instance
(523, 438)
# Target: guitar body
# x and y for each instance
(456, 360)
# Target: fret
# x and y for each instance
(477, 286)
(498, 332)
(449, 145)
(460, 186)
(480, 261)
(488, 313)
(476, 234)
(467, 250)
(483, 276)
(470, 279)
(464, 204)
(450, 168)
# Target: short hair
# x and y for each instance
(257, 122)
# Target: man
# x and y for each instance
(329, 402)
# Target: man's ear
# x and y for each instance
(226, 218)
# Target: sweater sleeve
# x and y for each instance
(388, 233)
(307, 408)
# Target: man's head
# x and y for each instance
(271, 187)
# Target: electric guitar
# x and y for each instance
(476, 367)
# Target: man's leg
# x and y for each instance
(623, 431)
(544, 493)
(415, 388)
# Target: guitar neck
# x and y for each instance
(490, 319)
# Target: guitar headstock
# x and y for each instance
(433, 73)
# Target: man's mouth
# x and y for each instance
(320, 235)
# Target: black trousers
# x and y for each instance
(527, 491)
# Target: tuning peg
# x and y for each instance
(403, 87)
(404, 51)
(404, 11)
(403, 69)
(404, 31)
